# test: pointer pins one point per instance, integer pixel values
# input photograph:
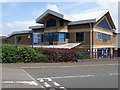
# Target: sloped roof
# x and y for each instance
(82, 18)
(46, 13)
(19, 32)
(37, 26)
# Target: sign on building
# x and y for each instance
(37, 37)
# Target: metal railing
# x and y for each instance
(87, 56)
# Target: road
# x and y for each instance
(61, 76)
(104, 76)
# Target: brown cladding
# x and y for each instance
(24, 39)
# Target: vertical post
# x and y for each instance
(32, 39)
(15, 40)
(91, 46)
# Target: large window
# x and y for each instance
(61, 23)
(104, 37)
(51, 23)
(67, 36)
(79, 36)
(104, 24)
(54, 37)
(18, 38)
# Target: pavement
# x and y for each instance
(17, 78)
(63, 76)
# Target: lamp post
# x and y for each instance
(32, 38)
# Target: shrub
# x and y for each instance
(38, 50)
(60, 55)
(81, 56)
(26, 54)
(9, 53)
(14, 53)
(41, 58)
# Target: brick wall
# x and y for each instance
(25, 39)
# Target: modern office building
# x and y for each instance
(87, 32)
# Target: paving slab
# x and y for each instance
(18, 78)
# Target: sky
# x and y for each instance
(18, 16)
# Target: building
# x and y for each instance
(87, 32)
(118, 44)
(2, 39)
(19, 38)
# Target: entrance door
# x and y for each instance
(50, 39)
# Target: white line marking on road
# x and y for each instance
(21, 82)
(56, 84)
(47, 85)
(8, 82)
(29, 75)
(63, 88)
(72, 76)
(32, 78)
(72, 66)
(114, 74)
(49, 79)
(40, 79)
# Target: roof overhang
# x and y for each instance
(36, 27)
(111, 21)
(20, 32)
(82, 22)
(41, 18)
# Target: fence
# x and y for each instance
(96, 55)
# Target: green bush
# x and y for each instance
(14, 54)
(41, 58)
(9, 53)
(26, 54)
(81, 56)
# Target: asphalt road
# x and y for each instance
(94, 76)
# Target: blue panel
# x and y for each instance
(104, 37)
(104, 24)
(37, 37)
(54, 37)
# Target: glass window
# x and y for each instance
(104, 37)
(61, 23)
(61, 37)
(37, 37)
(67, 35)
(54, 37)
(104, 24)
(79, 36)
(18, 38)
(51, 23)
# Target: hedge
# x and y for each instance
(14, 54)
(60, 55)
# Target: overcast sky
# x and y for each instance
(17, 16)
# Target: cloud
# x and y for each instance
(52, 7)
(41, 11)
(37, 12)
(17, 26)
